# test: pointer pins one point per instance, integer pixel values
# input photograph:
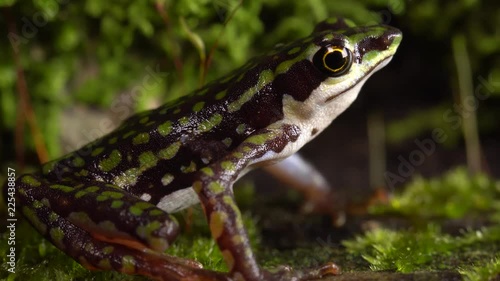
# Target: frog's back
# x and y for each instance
(159, 151)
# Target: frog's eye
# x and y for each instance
(333, 60)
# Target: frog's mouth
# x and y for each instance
(381, 64)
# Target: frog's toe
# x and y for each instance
(286, 273)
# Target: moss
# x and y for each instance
(425, 246)
(427, 249)
(486, 271)
(453, 195)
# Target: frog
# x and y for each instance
(109, 205)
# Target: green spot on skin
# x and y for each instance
(61, 187)
(143, 205)
(53, 217)
(230, 202)
(113, 194)
(35, 221)
(104, 264)
(80, 218)
(48, 167)
(215, 187)
(158, 244)
(78, 162)
(202, 92)
(107, 250)
(147, 160)
(197, 186)
(217, 219)
(116, 204)
(144, 231)
(101, 198)
(57, 236)
(286, 65)
(170, 151)
(140, 139)
(156, 212)
(208, 171)
(294, 50)
(176, 111)
(144, 120)
(265, 77)
(220, 95)
(210, 123)
(89, 247)
(83, 173)
(46, 202)
(107, 226)
(111, 162)
(92, 189)
(227, 142)
(238, 239)
(129, 134)
(80, 194)
(135, 211)
(241, 128)
(128, 264)
(113, 140)
(241, 77)
(128, 178)
(189, 169)
(198, 106)
(258, 139)
(227, 165)
(167, 179)
(184, 121)
(165, 128)
(29, 180)
(37, 204)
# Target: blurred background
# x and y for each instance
(72, 71)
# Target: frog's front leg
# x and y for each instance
(103, 227)
(214, 188)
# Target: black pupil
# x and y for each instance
(334, 60)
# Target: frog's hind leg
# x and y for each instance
(103, 227)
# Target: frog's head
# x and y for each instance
(339, 58)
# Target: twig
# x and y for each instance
(24, 106)
(216, 43)
(469, 118)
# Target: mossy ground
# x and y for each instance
(450, 230)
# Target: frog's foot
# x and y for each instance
(286, 273)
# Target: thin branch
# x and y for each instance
(216, 43)
(25, 110)
(175, 52)
(469, 117)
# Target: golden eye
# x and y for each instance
(333, 60)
